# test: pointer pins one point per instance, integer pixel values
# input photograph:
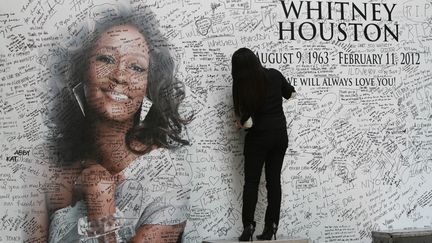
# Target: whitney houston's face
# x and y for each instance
(117, 73)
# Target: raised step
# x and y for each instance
(261, 241)
(422, 235)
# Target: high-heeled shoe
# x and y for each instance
(247, 234)
(268, 232)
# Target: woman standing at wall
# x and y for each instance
(257, 95)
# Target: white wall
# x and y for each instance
(359, 156)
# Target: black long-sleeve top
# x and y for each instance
(271, 115)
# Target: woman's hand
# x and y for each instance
(248, 124)
(96, 185)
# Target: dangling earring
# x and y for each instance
(145, 107)
(78, 91)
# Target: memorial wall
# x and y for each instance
(360, 128)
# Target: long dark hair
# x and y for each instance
(249, 80)
(163, 125)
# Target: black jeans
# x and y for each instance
(263, 147)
